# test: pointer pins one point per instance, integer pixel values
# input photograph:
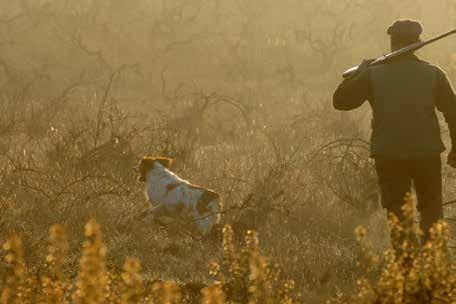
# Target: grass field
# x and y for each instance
(239, 95)
(304, 202)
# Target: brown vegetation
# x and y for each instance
(238, 93)
(408, 273)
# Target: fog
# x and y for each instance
(238, 92)
(160, 46)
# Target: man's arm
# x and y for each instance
(354, 91)
(446, 103)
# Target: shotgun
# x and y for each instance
(407, 50)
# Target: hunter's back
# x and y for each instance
(404, 94)
(403, 101)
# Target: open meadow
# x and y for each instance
(239, 94)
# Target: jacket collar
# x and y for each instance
(410, 56)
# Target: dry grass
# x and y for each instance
(305, 202)
(238, 93)
(243, 276)
(408, 273)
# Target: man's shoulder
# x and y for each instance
(409, 62)
(431, 66)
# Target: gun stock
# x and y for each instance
(407, 50)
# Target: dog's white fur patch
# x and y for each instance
(171, 195)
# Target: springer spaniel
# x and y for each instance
(173, 196)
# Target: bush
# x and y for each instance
(409, 272)
(245, 276)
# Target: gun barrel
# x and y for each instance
(408, 49)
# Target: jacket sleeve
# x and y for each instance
(446, 103)
(352, 92)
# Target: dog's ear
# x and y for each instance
(145, 164)
(164, 161)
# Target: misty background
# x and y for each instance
(237, 91)
(161, 48)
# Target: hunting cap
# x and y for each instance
(405, 29)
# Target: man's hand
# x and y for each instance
(452, 158)
(361, 68)
(364, 65)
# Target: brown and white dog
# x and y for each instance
(173, 196)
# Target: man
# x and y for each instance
(406, 142)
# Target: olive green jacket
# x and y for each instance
(403, 95)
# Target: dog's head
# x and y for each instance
(148, 163)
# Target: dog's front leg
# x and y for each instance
(161, 216)
(155, 211)
(158, 211)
